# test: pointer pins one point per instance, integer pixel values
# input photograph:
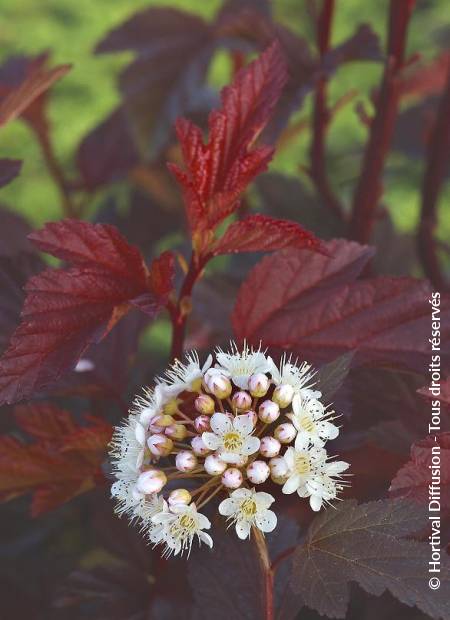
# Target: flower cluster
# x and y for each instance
(225, 427)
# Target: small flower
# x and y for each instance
(303, 466)
(240, 365)
(247, 508)
(178, 528)
(189, 376)
(232, 439)
(324, 487)
(312, 422)
(298, 377)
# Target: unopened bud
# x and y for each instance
(151, 481)
(177, 432)
(204, 404)
(186, 461)
(214, 466)
(179, 496)
(283, 395)
(269, 447)
(285, 433)
(160, 422)
(278, 470)
(241, 401)
(202, 423)
(258, 384)
(171, 407)
(160, 445)
(232, 478)
(268, 412)
(199, 447)
(258, 472)
(219, 385)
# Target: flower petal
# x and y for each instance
(315, 501)
(297, 404)
(228, 507)
(250, 445)
(206, 538)
(289, 457)
(211, 441)
(291, 484)
(242, 424)
(336, 467)
(221, 424)
(229, 457)
(266, 520)
(302, 440)
(243, 529)
(264, 500)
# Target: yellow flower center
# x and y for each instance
(232, 441)
(307, 423)
(302, 464)
(248, 508)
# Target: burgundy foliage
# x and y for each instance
(144, 249)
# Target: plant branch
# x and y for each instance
(321, 117)
(369, 187)
(284, 555)
(267, 572)
(433, 179)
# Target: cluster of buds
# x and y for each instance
(227, 427)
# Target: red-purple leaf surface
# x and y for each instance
(261, 233)
(64, 461)
(293, 300)
(66, 310)
(364, 544)
(217, 173)
(9, 169)
(413, 480)
(17, 95)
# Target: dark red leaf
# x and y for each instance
(108, 152)
(217, 173)
(16, 96)
(292, 300)
(260, 233)
(444, 392)
(9, 169)
(425, 79)
(413, 480)
(365, 544)
(66, 310)
(64, 461)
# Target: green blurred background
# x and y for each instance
(70, 29)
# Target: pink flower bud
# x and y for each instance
(278, 470)
(218, 384)
(185, 461)
(160, 445)
(151, 481)
(179, 496)
(258, 472)
(160, 422)
(213, 465)
(241, 401)
(258, 384)
(269, 447)
(283, 395)
(202, 423)
(198, 446)
(268, 412)
(204, 404)
(232, 478)
(285, 433)
(177, 432)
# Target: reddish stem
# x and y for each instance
(284, 555)
(433, 179)
(369, 188)
(321, 117)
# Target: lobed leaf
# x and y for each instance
(217, 173)
(364, 544)
(9, 169)
(260, 233)
(66, 310)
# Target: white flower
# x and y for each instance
(299, 377)
(312, 422)
(178, 528)
(187, 376)
(232, 439)
(240, 365)
(323, 487)
(303, 465)
(247, 507)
